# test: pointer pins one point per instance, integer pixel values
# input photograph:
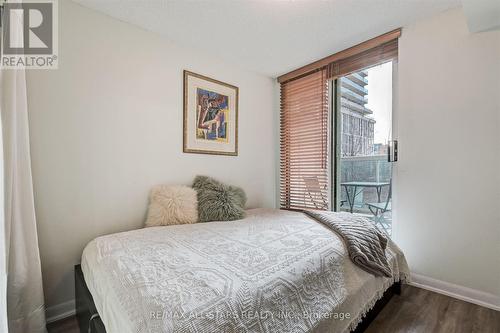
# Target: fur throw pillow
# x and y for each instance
(218, 201)
(172, 205)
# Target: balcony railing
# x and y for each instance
(371, 168)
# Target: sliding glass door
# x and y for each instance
(335, 132)
(363, 134)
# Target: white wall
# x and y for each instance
(448, 176)
(107, 125)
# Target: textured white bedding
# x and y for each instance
(274, 271)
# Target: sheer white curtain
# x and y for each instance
(20, 255)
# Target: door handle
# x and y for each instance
(392, 151)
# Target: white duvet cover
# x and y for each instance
(274, 271)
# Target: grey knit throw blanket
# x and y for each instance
(365, 243)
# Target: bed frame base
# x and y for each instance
(86, 313)
(90, 322)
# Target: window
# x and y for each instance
(326, 120)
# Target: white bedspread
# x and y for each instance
(274, 271)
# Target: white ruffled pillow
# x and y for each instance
(171, 205)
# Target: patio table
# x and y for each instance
(361, 185)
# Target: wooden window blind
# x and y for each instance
(370, 53)
(304, 120)
(369, 58)
(304, 142)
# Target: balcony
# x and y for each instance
(365, 185)
(354, 97)
(358, 77)
(355, 107)
(351, 85)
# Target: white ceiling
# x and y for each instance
(269, 37)
(482, 15)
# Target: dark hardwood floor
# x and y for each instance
(416, 311)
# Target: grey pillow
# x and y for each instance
(218, 201)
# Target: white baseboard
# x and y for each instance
(60, 311)
(459, 292)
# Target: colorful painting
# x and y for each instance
(210, 116)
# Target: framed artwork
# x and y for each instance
(210, 116)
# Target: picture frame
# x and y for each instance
(210, 120)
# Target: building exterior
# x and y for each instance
(357, 125)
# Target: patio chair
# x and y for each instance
(315, 192)
(378, 209)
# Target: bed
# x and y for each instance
(274, 271)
